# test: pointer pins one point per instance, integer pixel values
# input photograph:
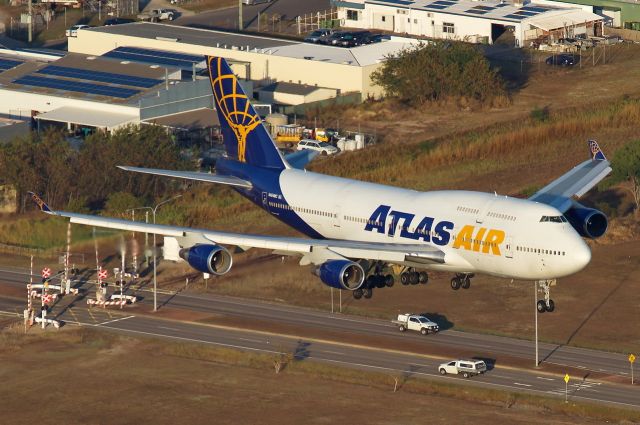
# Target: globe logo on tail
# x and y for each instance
(233, 104)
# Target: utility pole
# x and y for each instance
(240, 15)
(30, 23)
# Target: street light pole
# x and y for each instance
(155, 284)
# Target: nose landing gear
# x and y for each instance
(547, 304)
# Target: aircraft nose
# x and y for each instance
(581, 255)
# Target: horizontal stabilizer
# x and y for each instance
(192, 175)
(301, 158)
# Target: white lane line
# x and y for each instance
(522, 385)
(168, 328)
(249, 339)
(114, 320)
(546, 379)
(333, 352)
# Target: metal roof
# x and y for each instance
(488, 9)
(83, 116)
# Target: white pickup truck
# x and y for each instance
(466, 367)
(415, 322)
(156, 15)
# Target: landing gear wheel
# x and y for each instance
(357, 294)
(389, 280)
(541, 306)
(404, 278)
(379, 281)
(423, 277)
(368, 293)
(455, 283)
(414, 278)
(550, 306)
(466, 282)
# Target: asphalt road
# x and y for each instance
(403, 365)
(228, 18)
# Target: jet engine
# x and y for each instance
(588, 222)
(341, 274)
(212, 259)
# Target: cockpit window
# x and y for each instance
(554, 218)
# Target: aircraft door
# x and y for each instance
(508, 247)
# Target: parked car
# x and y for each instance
(117, 21)
(319, 35)
(376, 38)
(562, 60)
(465, 367)
(323, 147)
(73, 31)
(157, 15)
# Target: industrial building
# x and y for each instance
(85, 93)
(263, 60)
(470, 20)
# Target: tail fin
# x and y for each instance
(596, 152)
(245, 137)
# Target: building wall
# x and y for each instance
(629, 12)
(21, 104)
(426, 23)
(264, 66)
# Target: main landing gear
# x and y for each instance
(547, 304)
(378, 279)
(461, 280)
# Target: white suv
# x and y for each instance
(466, 367)
(73, 31)
(323, 147)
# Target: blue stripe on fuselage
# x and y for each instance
(265, 181)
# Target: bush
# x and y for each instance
(439, 70)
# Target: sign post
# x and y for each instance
(632, 359)
(566, 388)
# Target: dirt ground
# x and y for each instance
(113, 380)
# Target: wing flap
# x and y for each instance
(191, 175)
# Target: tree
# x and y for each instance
(437, 71)
(626, 168)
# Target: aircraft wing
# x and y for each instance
(192, 175)
(576, 182)
(312, 251)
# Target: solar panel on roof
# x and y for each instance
(501, 5)
(525, 13)
(103, 77)
(6, 64)
(436, 6)
(157, 57)
(402, 2)
(160, 53)
(75, 86)
(535, 9)
(443, 3)
(516, 17)
(477, 12)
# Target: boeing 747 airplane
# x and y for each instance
(359, 235)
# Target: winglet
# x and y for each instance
(596, 152)
(41, 204)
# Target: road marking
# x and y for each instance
(114, 320)
(546, 379)
(168, 328)
(250, 340)
(522, 385)
(333, 352)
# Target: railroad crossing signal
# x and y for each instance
(102, 274)
(46, 272)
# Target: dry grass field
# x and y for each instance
(80, 376)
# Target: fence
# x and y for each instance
(312, 21)
(627, 35)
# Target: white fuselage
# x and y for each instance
(478, 232)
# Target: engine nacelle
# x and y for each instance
(212, 259)
(588, 222)
(341, 274)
